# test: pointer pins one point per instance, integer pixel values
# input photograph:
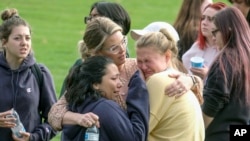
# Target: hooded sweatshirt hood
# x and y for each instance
(27, 62)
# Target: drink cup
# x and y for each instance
(197, 62)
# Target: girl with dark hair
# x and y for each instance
(91, 86)
(115, 12)
(227, 89)
(112, 10)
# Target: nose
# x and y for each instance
(23, 41)
(122, 47)
(143, 66)
(203, 22)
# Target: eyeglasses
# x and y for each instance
(89, 18)
(117, 48)
(86, 19)
(214, 32)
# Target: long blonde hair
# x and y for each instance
(97, 31)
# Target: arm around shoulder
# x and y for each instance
(57, 113)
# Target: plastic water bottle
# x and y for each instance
(92, 134)
(19, 126)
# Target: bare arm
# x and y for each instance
(60, 115)
(85, 120)
(57, 113)
(207, 120)
(184, 83)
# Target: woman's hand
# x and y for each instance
(201, 72)
(181, 85)
(25, 136)
(88, 120)
(6, 122)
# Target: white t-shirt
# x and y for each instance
(208, 54)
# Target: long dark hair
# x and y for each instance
(80, 80)
(187, 24)
(235, 55)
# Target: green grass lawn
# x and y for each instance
(57, 26)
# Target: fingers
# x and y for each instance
(6, 121)
(175, 89)
(170, 90)
(25, 136)
(180, 93)
(89, 119)
(4, 114)
(173, 75)
(201, 72)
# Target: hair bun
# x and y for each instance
(9, 13)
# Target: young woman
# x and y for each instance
(204, 46)
(227, 89)
(116, 13)
(172, 119)
(91, 86)
(187, 23)
(19, 87)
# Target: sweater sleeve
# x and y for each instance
(131, 126)
(216, 94)
(57, 112)
(138, 106)
(47, 98)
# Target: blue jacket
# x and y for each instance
(19, 89)
(115, 123)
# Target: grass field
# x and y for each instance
(57, 26)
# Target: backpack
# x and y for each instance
(35, 69)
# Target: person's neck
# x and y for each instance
(13, 62)
(170, 65)
(120, 67)
(210, 41)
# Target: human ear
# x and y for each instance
(168, 54)
(96, 86)
(3, 41)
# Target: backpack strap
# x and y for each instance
(35, 69)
